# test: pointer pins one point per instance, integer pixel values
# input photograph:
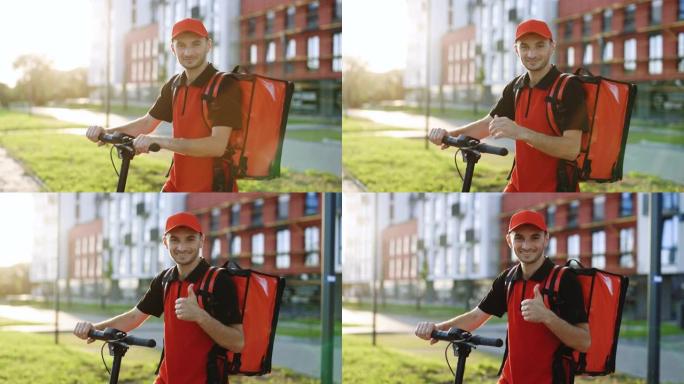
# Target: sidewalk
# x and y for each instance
(631, 354)
(297, 155)
(298, 354)
(13, 178)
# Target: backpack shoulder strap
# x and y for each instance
(209, 94)
(509, 281)
(175, 83)
(517, 86)
(206, 288)
(165, 281)
(554, 99)
(551, 288)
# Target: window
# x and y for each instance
(669, 242)
(270, 20)
(626, 204)
(337, 10)
(251, 27)
(283, 206)
(573, 213)
(337, 53)
(271, 52)
(235, 215)
(573, 247)
(588, 54)
(552, 247)
(215, 219)
(607, 20)
(656, 12)
(599, 211)
(571, 56)
(311, 246)
(257, 210)
(283, 249)
(258, 249)
(655, 54)
(586, 24)
(311, 203)
(680, 51)
(290, 17)
(630, 12)
(630, 54)
(627, 248)
(568, 30)
(235, 246)
(670, 203)
(216, 249)
(253, 54)
(291, 50)
(312, 14)
(598, 249)
(608, 51)
(312, 52)
(680, 15)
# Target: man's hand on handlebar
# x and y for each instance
(93, 134)
(142, 143)
(424, 331)
(82, 329)
(436, 135)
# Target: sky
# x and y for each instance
(375, 31)
(16, 228)
(60, 30)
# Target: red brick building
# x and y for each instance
(85, 255)
(458, 64)
(597, 229)
(400, 257)
(299, 41)
(141, 62)
(637, 41)
(274, 233)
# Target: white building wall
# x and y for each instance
(644, 237)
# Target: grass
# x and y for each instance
(635, 329)
(407, 359)
(431, 312)
(117, 109)
(7, 322)
(447, 113)
(32, 358)
(314, 135)
(637, 136)
(386, 164)
(67, 162)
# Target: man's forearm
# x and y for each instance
(574, 336)
(477, 129)
(563, 147)
(124, 322)
(467, 321)
(224, 335)
(210, 146)
(134, 128)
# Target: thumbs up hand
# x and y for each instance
(187, 308)
(534, 310)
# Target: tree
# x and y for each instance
(35, 83)
(5, 95)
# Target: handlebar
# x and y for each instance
(124, 140)
(112, 334)
(467, 142)
(459, 335)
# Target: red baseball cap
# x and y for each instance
(533, 26)
(527, 217)
(183, 219)
(189, 25)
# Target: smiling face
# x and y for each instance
(184, 245)
(528, 243)
(191, 50)
(534, 51)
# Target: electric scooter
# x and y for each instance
(463, 342)
(118, 342)
(472, 149)
(124, 147)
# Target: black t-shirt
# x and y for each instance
(227, 310)
(571, 111)
(224, 111)
(571, 303)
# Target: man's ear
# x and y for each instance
(165, 241)
(515, 48)
(201, 239)
(508, 240)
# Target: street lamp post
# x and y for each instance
(655, 280)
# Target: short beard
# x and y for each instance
(199, 64)
(542, 65)
(541, 254)
(192, 259)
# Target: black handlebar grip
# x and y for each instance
(450, 141)
(479, 340)
(486, 148)
(97, 335)
(132, 340)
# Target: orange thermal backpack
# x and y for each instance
(259, 296)
(609, 108)
(604, 296)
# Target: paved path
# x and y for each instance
(13, 178)
(645, 157)
(297, 155)
(631, 354)
(299, 354)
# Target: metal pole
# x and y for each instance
(328, 285)
(109, 63)
(375, 267)
(427, 75)
(59, 204)
(654, 286)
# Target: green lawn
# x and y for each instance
(11, 322)
(639, 329)
(32, 358)
(315, 135)
(407, 359)
(385, 164)
(655, 136)
(427, 311)
(67, 162)
(447, 113)
(117, 109)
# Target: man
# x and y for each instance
(189, 331)
(539, 152)
(534, 331)
(194, 144)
